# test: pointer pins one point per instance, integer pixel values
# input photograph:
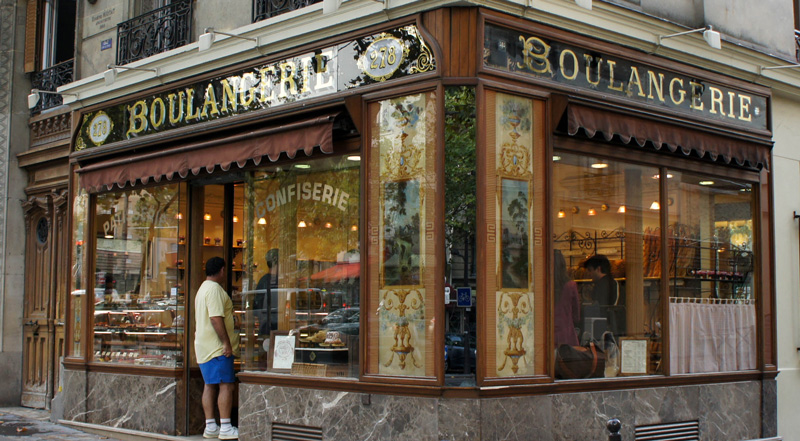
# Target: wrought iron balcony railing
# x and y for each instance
(263, 9)
(49, 79)
(154, 32)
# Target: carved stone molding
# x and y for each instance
(53, 129)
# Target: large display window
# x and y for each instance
(139, 272)
(300, 250)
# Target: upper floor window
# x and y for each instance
(162, 25)
(264, 9)
(50, 46)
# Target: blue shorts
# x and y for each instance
(218, 370)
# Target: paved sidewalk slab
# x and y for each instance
(23, 424)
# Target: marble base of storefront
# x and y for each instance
(729, 411)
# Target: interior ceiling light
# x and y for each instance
(235, 218)
(621, 209)
(706, 182)
(328, 225)
(712, 37)
(302, 224)
(562, 214)
(179, 216)
(302, 166)
(591, 212)
(207, 216)
(262, 221)
(354, 158)
(655, 206)
(599, 165)
(656, 176)
(556, 158)
(354, 228)
(109, 236)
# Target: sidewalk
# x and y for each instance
(23, 424)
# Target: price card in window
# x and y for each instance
(633, 352)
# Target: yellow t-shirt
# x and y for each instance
(212, 301)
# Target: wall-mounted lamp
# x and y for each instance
(761, 69)
(585, 4)
(207, 39)
(712, 37)
(110, 75)
(35, 96)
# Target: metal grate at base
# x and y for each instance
(293, 432)
(682, 431)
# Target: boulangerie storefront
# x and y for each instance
(573, 193)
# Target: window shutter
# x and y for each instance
(31, 30)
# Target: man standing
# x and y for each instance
(215, 344)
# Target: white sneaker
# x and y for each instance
(211, 433)
(232, 433)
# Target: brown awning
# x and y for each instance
(663, 134)
(222, 152)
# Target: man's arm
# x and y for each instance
(219, 326)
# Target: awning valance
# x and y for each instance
(663, 134)
(192, 158)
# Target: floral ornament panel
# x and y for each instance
(514, 356)
(514, 136)
(402, 332)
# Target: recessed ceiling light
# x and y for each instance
(655, 206)
(556, 158)
(354, 158)
(302, 166)
(706, 182)
(599, 165)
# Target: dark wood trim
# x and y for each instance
(492, 391)
(664, 296)
(481, 233)
(439, 236)
(767, 316)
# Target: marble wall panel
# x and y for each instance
(517, 418)
(458, 419)
(132, 402)
(341, 415)
(74, 395)
(583, 416)
(665, 405)
(769, 408)
(730, 411)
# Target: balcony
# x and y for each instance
(49, 79)
(157, 31)
(263, 9)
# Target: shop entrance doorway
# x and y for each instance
(215, 230)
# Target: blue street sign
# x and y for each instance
(464, 297)
(105, 44)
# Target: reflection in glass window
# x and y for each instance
(607, 265)
(302, 305)
(139, 277)
(80, 207)
(712, 295)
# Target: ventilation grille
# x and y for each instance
(683, 431)
(292, 432)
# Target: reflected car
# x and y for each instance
(342, 315)
(454, 354)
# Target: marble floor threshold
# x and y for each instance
(126, 434)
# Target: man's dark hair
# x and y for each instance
(271, 257)
(214, 266)
(598, 261)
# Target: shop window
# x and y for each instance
(515, 259)
(460, 238)
(78, 280)
(607, 267)
(712, 312)
(301, 294)
(401, 237)
(139, 295)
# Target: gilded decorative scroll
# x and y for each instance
(404, 126)
(514, 297)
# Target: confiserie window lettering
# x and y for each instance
(301, 235)
(139, 291)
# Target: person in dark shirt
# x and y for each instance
(606, 293)
(263, 302)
